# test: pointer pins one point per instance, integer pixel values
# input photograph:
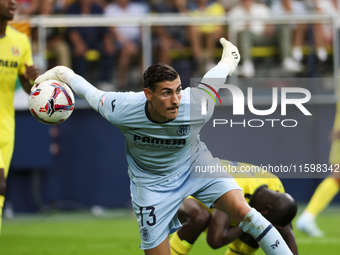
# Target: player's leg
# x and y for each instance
(326, 190)
(128, 51)
(6, 153)
(156, 212)
(238, 247)
(161, 249)
(195, 38)
(164, 49)
(211, 41)
(252, 222)
(2, 190)
(324, 194)
(321, 198)
(2, 176)
(194, 217)
(222, 191)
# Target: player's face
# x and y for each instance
(7, 9)
(163, 103)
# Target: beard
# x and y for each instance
(8, 17)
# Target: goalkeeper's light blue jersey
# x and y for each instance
(157, 151)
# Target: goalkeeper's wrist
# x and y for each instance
(227, 66)
(67, 76)
(64, 74)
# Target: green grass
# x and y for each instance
(116, 232)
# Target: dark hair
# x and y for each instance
(157, 73)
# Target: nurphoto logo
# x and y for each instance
(238, 105)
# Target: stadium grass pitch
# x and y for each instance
(116, 232)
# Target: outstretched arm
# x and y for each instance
(227, 65)
(79, 85)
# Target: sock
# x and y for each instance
(322, 196)
(297, 53)
(178, 246)
(265, 234)
(322, 54)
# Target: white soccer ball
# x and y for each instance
(51, 102)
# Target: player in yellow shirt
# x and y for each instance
(327, 189)
(262, 190)
(15, 60)
(203, 38)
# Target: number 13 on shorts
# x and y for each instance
(149, 217)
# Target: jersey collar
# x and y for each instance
(149, 117)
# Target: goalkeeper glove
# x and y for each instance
(230, 55)
(60, 73)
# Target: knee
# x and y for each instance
(2, 188)
(242, 210)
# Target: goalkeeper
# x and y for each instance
(161, 128)
(263, 191)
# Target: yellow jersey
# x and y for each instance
(213, 9)
(251, 181)
(15, 52)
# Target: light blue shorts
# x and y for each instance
(156, 206)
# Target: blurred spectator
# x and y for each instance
(228, 4)
(204, 38)
(55, 42)
(256, 32)
(27, 7)
(170, 37)
(128, 37)
(102, 3)
(303, 7)
(60, 6)
(326, 30)
(86, 39)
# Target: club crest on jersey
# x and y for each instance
(183, 130)
(15, 51)
(145, 234)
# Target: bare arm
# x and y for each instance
(220, 232)
(80, 46)
(335, 4)
(287, 5)
(334, 135)
(30, 75)
(288, 235)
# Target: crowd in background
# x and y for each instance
(116, 49)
